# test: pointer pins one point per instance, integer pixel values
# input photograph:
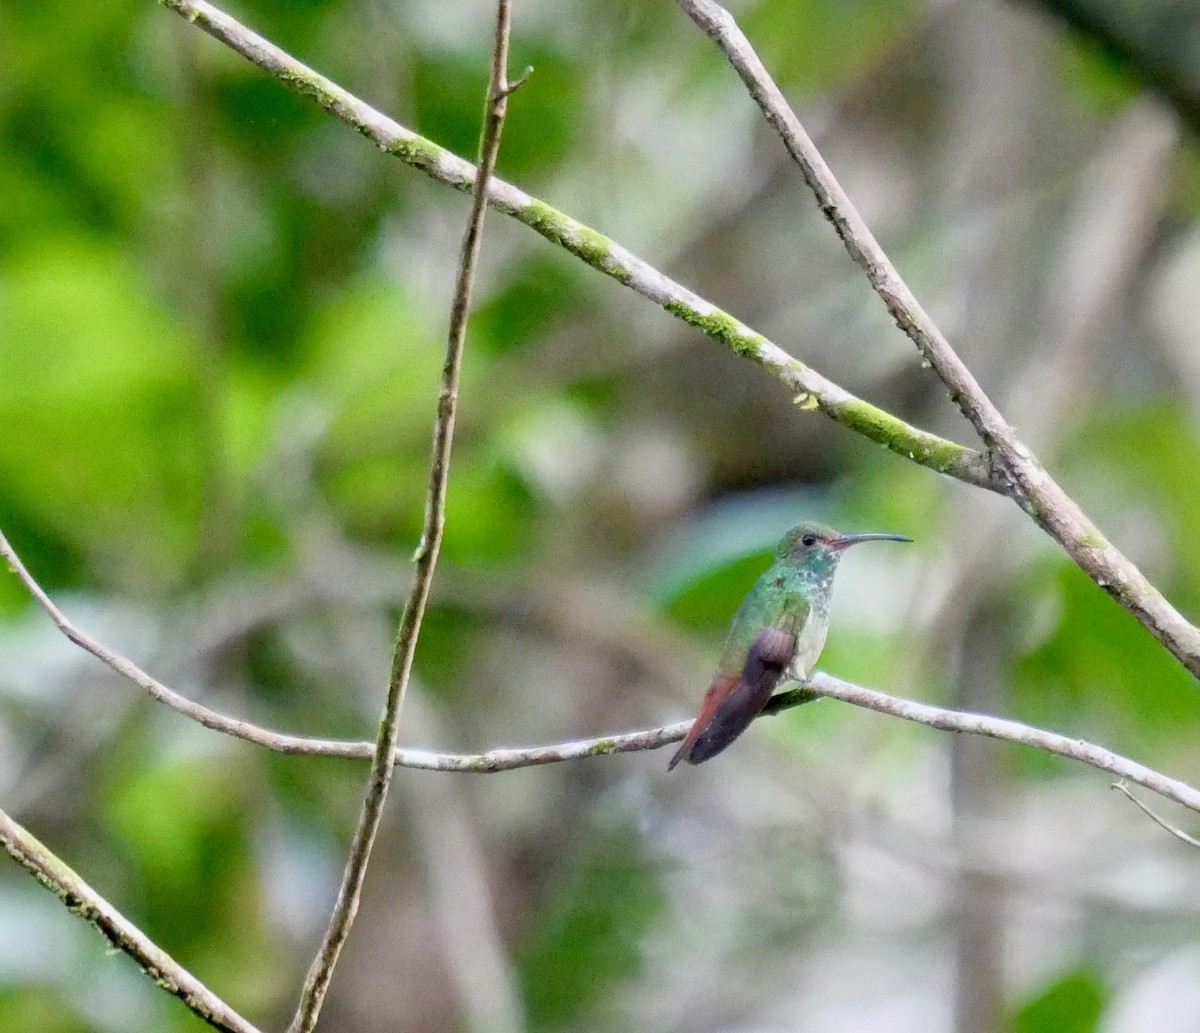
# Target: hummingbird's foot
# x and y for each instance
(793, 674)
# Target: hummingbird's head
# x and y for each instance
(818, 545)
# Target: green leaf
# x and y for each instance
(816, 45)
(1074, 1004)
(587, 941)
(702, 574)
(99, 434)
(1099, 671)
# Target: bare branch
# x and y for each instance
(1121, 787)
(383, 766)
(1011, 731)
(810, 389)
(80, 899)
(282, 742)
(1025, 480)
(199, 713)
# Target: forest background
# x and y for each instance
(222, 321)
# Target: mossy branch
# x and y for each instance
(1005, 466)
(601, 253)
(81, 900)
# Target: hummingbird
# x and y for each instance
(776, 635)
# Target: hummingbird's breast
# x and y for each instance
(808, 609)
(785, 597)
(809, 642)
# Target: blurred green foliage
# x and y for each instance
(816, 46)
(1074, 1004)
(36, 1006)
(101, 446)
(221, 327)
(589, 931)
(1094, 665)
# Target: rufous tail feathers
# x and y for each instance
(732, 702)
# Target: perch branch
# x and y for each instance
(80, 899)
(627, 742)
(383, 763)
(1011, 731)
(1023, 477)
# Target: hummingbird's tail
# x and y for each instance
(720, 688)
(733, 701)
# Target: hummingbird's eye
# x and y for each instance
(808, 541)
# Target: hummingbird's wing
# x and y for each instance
(733, 701)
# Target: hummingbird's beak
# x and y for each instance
(844, 541)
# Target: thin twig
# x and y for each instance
(808, 387)
(383, 758)
(199, 713)
(1022, 476)
(80, 899)
(1121, 787)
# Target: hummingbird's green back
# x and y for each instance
(793, 595)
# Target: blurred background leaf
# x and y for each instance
(221, 323)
